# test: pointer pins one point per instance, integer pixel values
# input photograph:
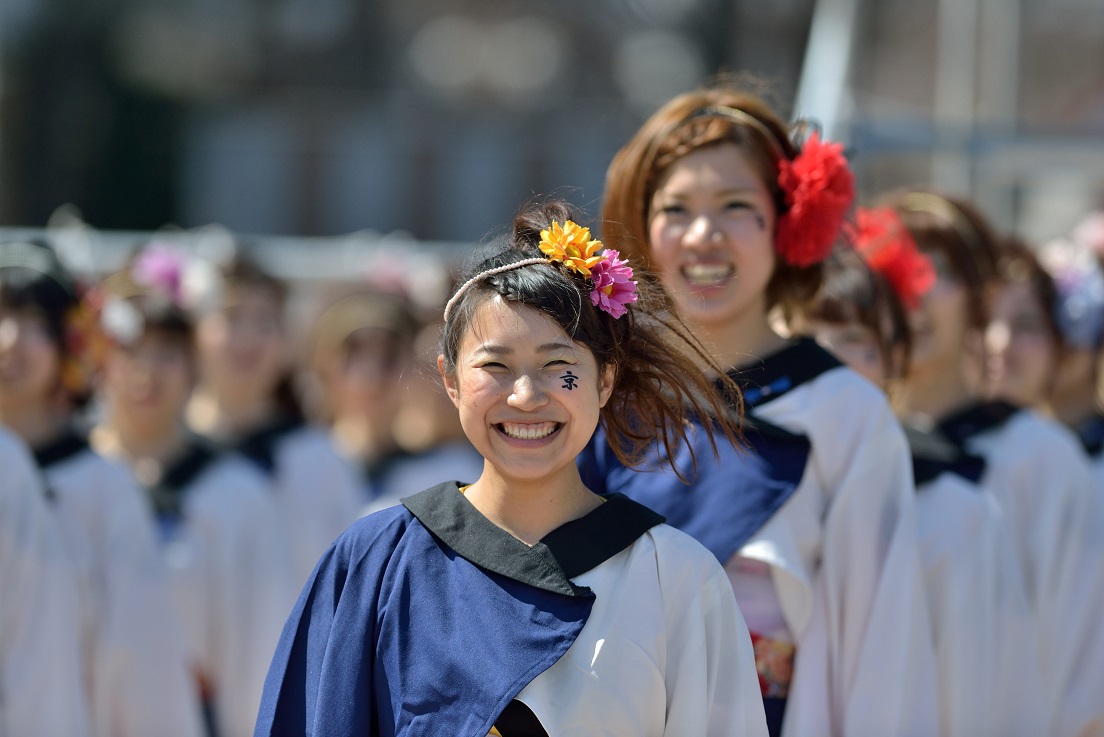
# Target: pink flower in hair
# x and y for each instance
(160, 267)
(613, 284)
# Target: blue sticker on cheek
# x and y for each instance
(569, 380)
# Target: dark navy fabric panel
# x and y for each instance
(396, 634)
(729, 498)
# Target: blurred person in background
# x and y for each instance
(365, 356)
(245, 401)
(1077, 266)
(816, 528)
(41, 666)
(987, 657)
(1034, 468)
(219, 530)
(1023, 340)
(135, 673)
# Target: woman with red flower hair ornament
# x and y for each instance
(990, 681)
(736, 214)
(1033, 466)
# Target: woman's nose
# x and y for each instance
(527, 394)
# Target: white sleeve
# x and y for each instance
(985, 635)
(711, 681)
(142, 684)
(41, 693)
(870, 658)
(253, 597)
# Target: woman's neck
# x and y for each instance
(930, 397)
(530, 509)
(37, 425)
(1076, 407)
(161, 445)
(739, 341)
(364, 438)
(222, 415)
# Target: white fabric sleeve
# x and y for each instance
(141, 681)
(41, 691)
(871, 652)
(711, 681)
(248, 576)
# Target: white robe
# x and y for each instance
(317, 496)
(228, 564)
(139, 683)
(1042, 480)
(983, 626)
(620, 673)
(845, 566)
(41, 693)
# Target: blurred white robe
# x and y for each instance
(1042, 480)
(228, 561)
(138, 680)
(983, 626)
(41, 691)
(844, 561)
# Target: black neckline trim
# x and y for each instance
(976, 419)
(933, 454)
(568, 551)
(166, 494)
(518, 720)
(259, 446)
(70, 444)
(1091, 435)
(782, 371)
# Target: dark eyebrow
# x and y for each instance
(501, 350)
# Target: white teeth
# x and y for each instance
(529, 431)
(707, 273)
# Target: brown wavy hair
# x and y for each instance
(673, 132)
(662, 373)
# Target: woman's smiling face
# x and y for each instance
(710, 229)
(528, 395)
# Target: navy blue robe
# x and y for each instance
(427, 619)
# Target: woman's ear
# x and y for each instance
(605, 384)
(449, 382)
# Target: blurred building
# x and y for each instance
(438, 118)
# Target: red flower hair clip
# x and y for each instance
(819, 189)
(884, 242)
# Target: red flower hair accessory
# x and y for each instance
(819, 189)
(884, 242)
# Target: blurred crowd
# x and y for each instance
(174, 462)
(200, 459)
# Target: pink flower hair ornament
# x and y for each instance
(613, 284)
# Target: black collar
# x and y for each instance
(933, 454)
(570, 550)
(63, 448)
(1091, 434)
(785, 369)
(259, 446)
(167, 494)
(975, 420)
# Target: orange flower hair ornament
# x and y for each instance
(817, 185)
(884, 242)
(610, 277)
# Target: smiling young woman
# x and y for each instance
(736, 212)
(523, 603)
